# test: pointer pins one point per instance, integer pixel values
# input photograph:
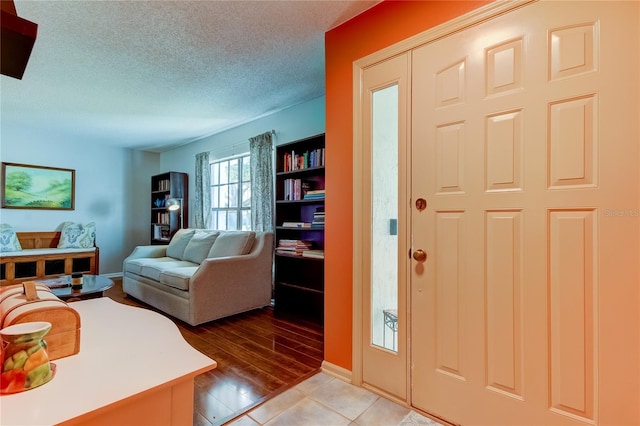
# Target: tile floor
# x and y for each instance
(324, 400)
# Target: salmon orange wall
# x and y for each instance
(381, 26)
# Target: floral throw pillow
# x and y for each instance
(77, 235)
(8, 239)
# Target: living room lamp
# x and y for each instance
(176, 204)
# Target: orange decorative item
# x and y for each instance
(25, 363)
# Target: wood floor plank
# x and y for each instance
(281, 332)
(303, 330)
(266, 365)
(260, 328)
(291, 351)
(268, 347)
(259, 355)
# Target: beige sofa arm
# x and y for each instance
(227, 285)
(147, 251)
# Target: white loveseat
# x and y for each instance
(203, 275)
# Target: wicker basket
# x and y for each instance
(28, 302)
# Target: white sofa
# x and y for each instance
(203, 275)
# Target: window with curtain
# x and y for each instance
(231, 193)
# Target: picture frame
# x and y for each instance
(26, 186)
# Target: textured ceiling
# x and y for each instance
(157, 74)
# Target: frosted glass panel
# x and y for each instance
(384, 232)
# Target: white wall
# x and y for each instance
(112, 187)
(296, 122)
(113, 184)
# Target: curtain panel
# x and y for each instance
(202, 201)
(262, 182)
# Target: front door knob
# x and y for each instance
(420, 255)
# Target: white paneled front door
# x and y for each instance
(525, 147)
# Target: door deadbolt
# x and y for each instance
(420, 255)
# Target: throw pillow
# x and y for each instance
(179, 242)
(8, 239)
(77, 235)
(232, 243)
(199, 246)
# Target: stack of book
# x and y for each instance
(293, 247)
(316, 194)
(318, 218)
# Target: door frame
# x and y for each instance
(474, 17)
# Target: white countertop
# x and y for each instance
(124, 351)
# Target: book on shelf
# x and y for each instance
(157, 231)
(298, 189)
(296, 224)
(164, 185)
(292, 189)
(318, 218)
(162, 218)
(160, 232)
(292, 161)
(315, 254)
(315, 194)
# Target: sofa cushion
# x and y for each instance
(47, 252)
(232, 243)
(154, 270)
(8, 239)
(178, 277)
(199, 246)
(77, 235)
(179, 242)
(135, 265)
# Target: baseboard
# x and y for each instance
(337, 371)
(113, 275)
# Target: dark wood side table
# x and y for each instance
(93, 286)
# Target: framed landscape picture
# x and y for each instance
(37, 187)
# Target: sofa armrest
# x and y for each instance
(231, 284)
(147, 251)
(227, 270)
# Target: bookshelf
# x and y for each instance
(165, 223)
(299, 259)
